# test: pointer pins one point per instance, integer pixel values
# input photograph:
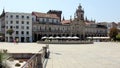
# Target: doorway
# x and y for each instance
(22, 39)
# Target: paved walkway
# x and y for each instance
(97, 55)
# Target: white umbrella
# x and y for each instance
(57, 37)
(75, 37)
(69, 37)
(44, 37)
(51, 37)
(63, 37)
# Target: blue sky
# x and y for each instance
(101, 10)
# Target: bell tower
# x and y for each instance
(80, 13)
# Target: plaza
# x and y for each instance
(97, 55)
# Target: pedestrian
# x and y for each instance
(14, 41)
(17, 40)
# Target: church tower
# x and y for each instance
(3, 13)
(80, 13)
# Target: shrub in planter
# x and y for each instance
(118, 37)
(17, 65)
(21, 61)
(11, 59)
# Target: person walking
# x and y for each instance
(17, 40)
(14, 41)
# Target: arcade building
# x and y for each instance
(50, 25)
(29, 27)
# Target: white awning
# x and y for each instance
(57, 37)
(75, 37)
(98, 37)
(69, 37)
(44, 37)
(51, 37)
(63, 37)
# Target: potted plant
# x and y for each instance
(17, 65)
(10, 32)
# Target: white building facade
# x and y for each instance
(21, 24)
(33, 26)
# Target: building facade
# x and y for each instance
(2, 26)
(111, 25)
(76, 27)
(20, 23)
(33, 26)
(96, 30)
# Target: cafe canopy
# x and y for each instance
(63, 37)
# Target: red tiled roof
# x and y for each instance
(39, 14)
(65, 22)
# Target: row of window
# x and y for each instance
(17, 22)
(22, 38)
(98, 31)
(17, 27)
(48, 20)
(22, 32)
(50, 28)
(18, 17)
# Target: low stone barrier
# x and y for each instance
(65, 42)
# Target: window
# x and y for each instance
(22, 27)
(22, 32)
(52, 20)
(11, 27)
(6, 27)
(47, 20)
(49, 29)
(11, 16)
(22, 17)
(27, 39)
(11, 22)
(17, 27)
(58, 29)
(17, 32)
(27, 27)
(27, 17)
(17, 22)
(27, 32)
(56, 21)
(43, 20)
(32, 19)
(6, 16)
(17, 16)
(27, 22)
(45, 28)
(40, 19)
(34, 28)
(40, 28)
(6, 38)
(22, 22)
(6, 22)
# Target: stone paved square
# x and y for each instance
(97, 55)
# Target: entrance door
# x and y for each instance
(22, 39)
